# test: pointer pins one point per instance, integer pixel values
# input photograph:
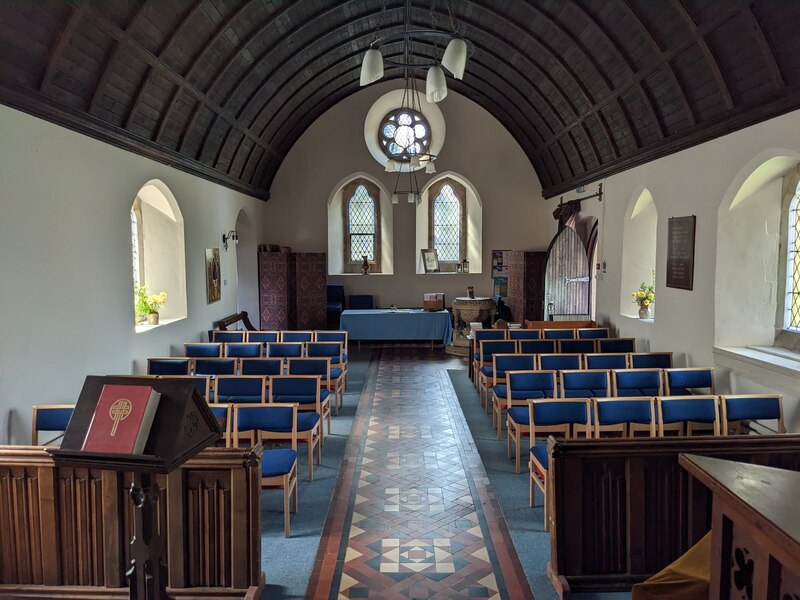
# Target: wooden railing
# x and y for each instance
(65, 532)
(621, 510)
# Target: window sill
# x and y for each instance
(142, 327)
(650, 321)
(767, 365)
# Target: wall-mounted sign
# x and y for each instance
(680, 252)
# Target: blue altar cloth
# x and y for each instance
(404, 324)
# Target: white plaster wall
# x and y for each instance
(692, 182)
(476, 147)
(638, 252)
(164, 268)
(66, 263)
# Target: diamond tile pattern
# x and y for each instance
(361, 225)
(420, 511)
(447, 225)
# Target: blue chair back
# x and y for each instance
(606, 361)
(283, 387)
(202, 350)
(284, 350)
(524, 334)
(491, 347)
(264, 337)
(616, 345)
(228, 336)
(559, 413)
(221, 413)
(693, 409)
(681, 382)
(559, 362)
(513, 362)
(531, 384)
(752, 407)
(240, 389)
(612, 411)
(243, 350)
(558, 334)
(332, 350)
(592, 333)
(215, 366)
(309, 366)
(167, 366)
(331, 336)
(360, 302)
(50, 417)
(481, 335)
(297, 336)
(266, 417)
(585, 384)
(637, 382)
(262, 366)
(651, 360)
(576, 346)
(537, 346)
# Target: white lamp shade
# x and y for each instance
(415, 164)
(430, 167)
(435, 85)
(455, 57)
(391, 166)
(371, 66)
(395, 199)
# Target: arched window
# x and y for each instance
(638, 250)
(361, 212)
(792, 307)
(447, 231)
(157, 249)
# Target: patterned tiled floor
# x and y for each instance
(414, 516)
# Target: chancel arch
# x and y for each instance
(752, 245)
(359, 207)
(157, 247)
(639, 234)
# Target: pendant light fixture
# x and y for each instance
(454, 58)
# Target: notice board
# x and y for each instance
(680, 252)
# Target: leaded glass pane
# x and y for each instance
(404, 133)
(361, 225)
(793, 267)
(447, 225)
(135, 247)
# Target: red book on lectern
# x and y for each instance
(122, 419)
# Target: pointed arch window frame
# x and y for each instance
(460, 192)
(791, 237)
(348, 191)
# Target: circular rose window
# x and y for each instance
(404, 133)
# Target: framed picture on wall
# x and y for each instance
(680, 252)
(431, 260)
(213, 277)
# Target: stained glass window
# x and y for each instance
(404, 133)
(361, 225)
(793, 267)
(447, 216)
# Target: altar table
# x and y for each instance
(402, 324)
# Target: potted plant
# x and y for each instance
(645, 297)
(146, 306)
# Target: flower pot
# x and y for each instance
(152, 318)
(645, 312)
(365, 266)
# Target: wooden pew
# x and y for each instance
(65, 532)
(622, 509)
(559, 324)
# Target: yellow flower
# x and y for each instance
(633, 294)
(646, 303)
(651, 296)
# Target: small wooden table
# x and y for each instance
(755, 546)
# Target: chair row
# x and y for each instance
(540, 334)
(487, 348)
(514, 388)
(627, 416)
(501, 363)
(263, 337)
(259, 349)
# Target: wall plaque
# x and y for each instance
(680, 252)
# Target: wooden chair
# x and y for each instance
(278, 466)
(202, 350)
(636, 382)
(291, 389)
(50, 417)
(240, 389)
(592, 333)
(562, 416)
(222, 413)
(606, 361)
(584, 383)
(502, 364)
(558, 334)
(675, 412)
(224, 336)
(479, 336)
(537, 346)
(513, 397)
(243, 350)
(737, 408)
(650, 360)
(487, 349)
(320, 367)
(335, 352)
(335, 336)
(576, 346)
(263, 338)
(559, 362)
(625, 416)
(616, 345)
(284, 350)
(214, 366)
(296, 336)
(686, 381)
(524, 334)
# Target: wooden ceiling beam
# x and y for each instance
(767, 51)
(75, 15)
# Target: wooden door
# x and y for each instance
(566, 280)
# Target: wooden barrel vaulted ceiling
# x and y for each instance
(224, 88)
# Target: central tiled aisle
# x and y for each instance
(414, 516)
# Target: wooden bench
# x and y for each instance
(622, 509)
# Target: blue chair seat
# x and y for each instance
(277, 462)
(501, 391)
(539, 452)
(488, 371)
(336, 373)
(519, 414)
(305, 421)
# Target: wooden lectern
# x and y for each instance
(182, 427)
